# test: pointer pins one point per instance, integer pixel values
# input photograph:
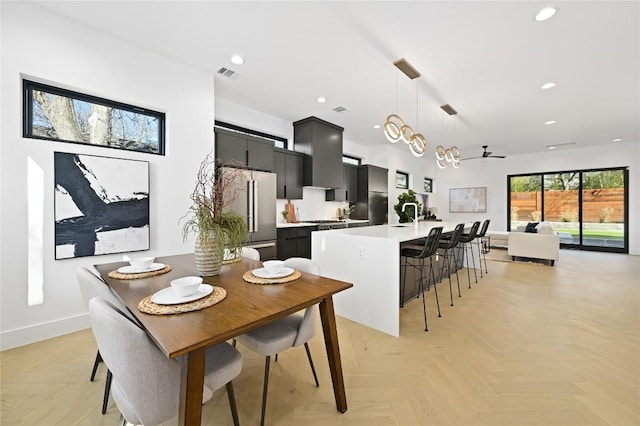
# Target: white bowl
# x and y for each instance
(273, 266)
(186, 286)
(141, 262)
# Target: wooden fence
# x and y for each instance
(598, 205)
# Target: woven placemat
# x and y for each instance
(250, 278)
(148, 307)
(120, 276)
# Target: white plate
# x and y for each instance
(263, 273)
(131, 270)
(167, 296)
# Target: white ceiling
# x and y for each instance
(487, 59)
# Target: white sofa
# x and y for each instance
(534, 245)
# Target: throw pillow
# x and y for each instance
(545, 228)
(531, 227)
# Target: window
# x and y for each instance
(277, 140)
(348, 159)
(402, 180)
(428, 185)
(57, 114)
(587, 208)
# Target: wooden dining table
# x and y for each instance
(246, 307)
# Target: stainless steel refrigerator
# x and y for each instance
(257, 203)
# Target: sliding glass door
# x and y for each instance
(603, 208)
(587, 208)
(562, 205)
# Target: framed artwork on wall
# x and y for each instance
(101, 205)
(468, 200)
(62, 115)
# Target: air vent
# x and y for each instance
(559, 145)
(340, 109)
(226, 72)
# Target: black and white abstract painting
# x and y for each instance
(101, 205)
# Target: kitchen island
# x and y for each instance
(368, 257)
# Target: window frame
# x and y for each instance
(29, 86)
(405, 176)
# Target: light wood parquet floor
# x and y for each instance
(527, 345)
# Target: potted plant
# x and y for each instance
(209, 217)
(408, 214)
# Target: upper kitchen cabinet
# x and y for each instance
(349, 189)
(322, 142)
(289, 171)
(255, 153)
(372, 179)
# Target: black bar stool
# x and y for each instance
(467, 240)
(428, 250)
(448, 245)
(482, 252)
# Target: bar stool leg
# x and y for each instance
(404, 280)
(421, 289)
(435, 287)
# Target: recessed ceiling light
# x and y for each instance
(321, 100)
(617, 140)
(547, 86)
(377, 126)
(550, 122)
(237, 59)
(545, 14)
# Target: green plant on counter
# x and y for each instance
(408, 214)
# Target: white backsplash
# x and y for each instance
(312, 206)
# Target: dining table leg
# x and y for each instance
(328, 318)
(191, 385)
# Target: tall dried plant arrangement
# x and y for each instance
(209, 216)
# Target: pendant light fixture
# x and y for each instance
(447, 156)
(395, 128)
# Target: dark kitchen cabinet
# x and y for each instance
(349, 189)
(373, 179)
(289, 170)
(251, 151)
(295, 242)
(322, 142)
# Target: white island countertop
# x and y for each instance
(400, 232)
(368, 257)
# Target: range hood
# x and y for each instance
(321, 141)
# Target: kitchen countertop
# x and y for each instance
(400, 232)
(301, 224)
(294, 225)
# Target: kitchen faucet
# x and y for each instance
(415, 211)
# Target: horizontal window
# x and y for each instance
(62, 115)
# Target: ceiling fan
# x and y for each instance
(486, 154)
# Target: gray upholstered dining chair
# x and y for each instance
(250, 253)
(288, 332)
(146, 384)
(92, 286)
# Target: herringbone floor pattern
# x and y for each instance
(526, 345)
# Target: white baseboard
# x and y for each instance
(35, 333)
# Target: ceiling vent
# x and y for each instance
(226, 72)
(560, 145)
(340, 109)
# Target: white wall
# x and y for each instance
(47, 46)
(492, 173)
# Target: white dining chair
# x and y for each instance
(92, 286)
(250, 253)
(146, 384)
(295, 330)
